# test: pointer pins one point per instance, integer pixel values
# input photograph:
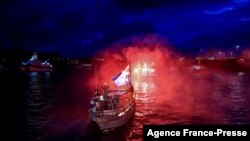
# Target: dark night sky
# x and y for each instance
(83, 27)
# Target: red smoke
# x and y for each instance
(149, 51)
(146, 49)
(154, 69)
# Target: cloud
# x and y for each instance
(225, 38)
(245, 19)
(220, 11)
(141, 5)
(228, 7)
(240, 1)
(88, 26)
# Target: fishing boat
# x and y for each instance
(33, 64)
(113, 108)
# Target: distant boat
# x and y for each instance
(113, 108)
(82, 66)
(198, 67)
(33, 64)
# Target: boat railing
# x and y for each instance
(114, 112)
(116, 92)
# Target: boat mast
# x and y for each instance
(130, 72)
(96, 81)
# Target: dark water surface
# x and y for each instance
(54, 105)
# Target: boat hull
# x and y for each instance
(106, 124)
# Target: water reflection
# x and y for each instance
(237, 101)
(49, 110)
(215, 98)
(38, 104)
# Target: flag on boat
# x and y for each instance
(122, 78)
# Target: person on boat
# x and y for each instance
(105, 88)
(131, 88)
(96, 108)
(99, 106)
(93, 110)
(130, 93)
(96, 93)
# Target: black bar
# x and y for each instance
(164, 132)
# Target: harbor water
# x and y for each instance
(51, 106)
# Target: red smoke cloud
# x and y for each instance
(154, 69)
(146, 49)
(144, 52)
